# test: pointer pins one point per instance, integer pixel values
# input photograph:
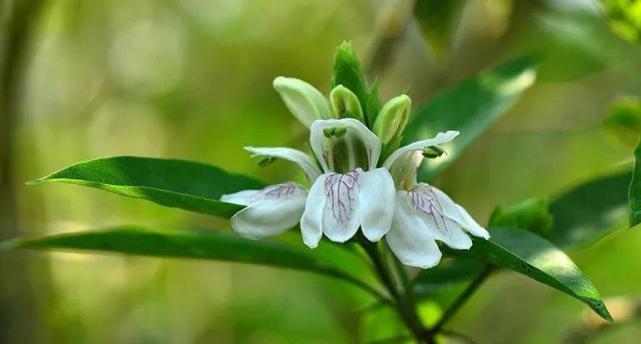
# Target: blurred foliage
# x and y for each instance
(192, 80)
(437, 20)
(624, 120)
(625, 18)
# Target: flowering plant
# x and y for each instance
(368, 192)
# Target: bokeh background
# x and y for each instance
(191, 79)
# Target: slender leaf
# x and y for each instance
(173, 183)
(471, 108)
(535, 257)
(188, 244)
(590, 211)
(634, 192)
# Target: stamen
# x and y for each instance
(329, 132)
(338, 132)
(433, 152)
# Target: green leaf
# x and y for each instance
(634, 192)
(187, 244)
(625, 18)
(348, 72)
(532, 214)
(470, 108)
(173, 183)
(450, 272)
(590, 211)
(535, 257)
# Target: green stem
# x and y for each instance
(460, 301)
(407, 310)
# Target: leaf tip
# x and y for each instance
(36, 182)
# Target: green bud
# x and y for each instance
(304, 101)
(266, 161)
(433, 152)
(392, 118)
(345, 104)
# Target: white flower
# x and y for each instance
(424, 213)
(276, 208)
(349, 192)
(346, 197)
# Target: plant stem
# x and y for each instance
(460, 301)
(404, 306)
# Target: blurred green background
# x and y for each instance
(191, 79)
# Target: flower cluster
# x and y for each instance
(352, 187)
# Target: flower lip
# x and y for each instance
(439, 139)
(356, 147)
(306, 162)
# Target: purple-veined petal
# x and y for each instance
(341, 214)
(429, 208)
(458, 214)
(270, 211)
(408, 237)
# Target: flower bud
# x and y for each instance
(305, 102)
(392, 118)
(345, 103)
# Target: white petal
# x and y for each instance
(270, 211)
(244, 197)
(377, 203)
(440, 138)
(470, 225)
(311, 224)
(305, 161)
(302, 99)
(341, 214)
(321, 145)
(429, 207)
(408, 237)
(458, 214)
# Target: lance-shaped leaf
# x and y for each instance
(470, 108)
(590, 211)
(535, 257)
(188, 244)
(173, 183)
(634, 192)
